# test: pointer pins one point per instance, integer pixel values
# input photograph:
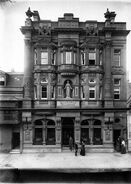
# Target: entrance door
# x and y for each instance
(16, 140)
(116, 134)
(67, 131)
(97, 136)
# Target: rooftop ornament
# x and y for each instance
(29, 13)
(110, 15)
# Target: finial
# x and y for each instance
(29, 13)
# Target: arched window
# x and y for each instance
(85, 132)
(50, 132)
(38, 132)
(97, 140)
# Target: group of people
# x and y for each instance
(121, 145)
(82, 149)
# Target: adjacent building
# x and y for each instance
(74, 84)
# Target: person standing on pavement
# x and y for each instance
(70, 143)
(82, 151)
(76, 148)
(123, 147)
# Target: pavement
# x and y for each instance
(67, 162)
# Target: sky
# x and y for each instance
(13, 17)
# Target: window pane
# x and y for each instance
(44, 57)
(92, 56)
(2, 81)
(92, 93)
(44, 92)
(116, 81)
(68, 57)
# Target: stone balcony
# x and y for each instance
(92, 68)
(44, 67)
(68, 69)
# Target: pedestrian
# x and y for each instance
(70, 143)
(82, 151)
(76, 148)
(123, 147)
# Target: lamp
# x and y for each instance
(108, 123)
(26, 122)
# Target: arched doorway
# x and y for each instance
(97, 140)
(85, 132)
(67, 130)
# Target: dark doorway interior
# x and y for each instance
(67, 130)
(116, 134)
(97, 136)
(16, 140)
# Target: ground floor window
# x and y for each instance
(44, 132)
(50, 132)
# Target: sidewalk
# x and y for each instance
(67, 162)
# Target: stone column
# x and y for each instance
(77, 130)
(58, 131)
(44, 132)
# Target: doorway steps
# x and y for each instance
(15, 151)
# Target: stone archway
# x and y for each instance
(67, 130)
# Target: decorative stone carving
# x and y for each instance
(91, 31)
(44, 30)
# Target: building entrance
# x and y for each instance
(67, 131)
(16, 140)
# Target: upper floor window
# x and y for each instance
(82, 58)
(117, 93)
(92, 93)
(116, 82)
(92, 56)
(44, 57)
(44, 92)
(53, 59)
(2, 81)
(68, 58)
(117, 55)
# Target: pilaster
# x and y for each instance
(77, 130)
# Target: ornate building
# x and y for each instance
(74, 83)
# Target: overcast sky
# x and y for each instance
(13, 17)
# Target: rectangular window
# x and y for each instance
(44, 92)
(92, 56)
(2, 81)
(53, 58)
(92, 93)
(116, 82)
(44, 57)
(82, 58)
(117, 93)
(53, 92)
(117, 55)
(82, 92)
(68, 57)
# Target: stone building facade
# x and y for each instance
(74, 83)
